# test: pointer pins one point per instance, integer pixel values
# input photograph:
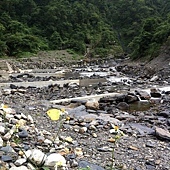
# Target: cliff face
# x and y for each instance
(163, 60)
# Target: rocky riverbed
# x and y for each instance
(113, 115)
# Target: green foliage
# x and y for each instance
(138, 27)
(153, 34)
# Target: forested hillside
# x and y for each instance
(137, 27)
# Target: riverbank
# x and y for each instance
(89, 134)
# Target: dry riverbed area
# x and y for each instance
(105, 114)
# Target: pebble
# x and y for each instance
(23, 134)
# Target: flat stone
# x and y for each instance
(162, 133)
(20, 161)
(141, 129)
(6, 158)
(85, 164)
(7, 149)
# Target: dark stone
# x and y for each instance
(70, 156)
(85, 164)
(151, 145)
(123, 106)
(157, 95)
(12, 86)
(23, 134)
(78, 101)
(168, 122)
(131, 98)
(150, 165)
(142, 94)
(165, 113)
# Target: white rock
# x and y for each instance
(154, 78)
(55, 159)
(47, 141)
(20, 161)
(23, 116)
(19, 168)
(27, 154)
(37, 156)
(9, 116)
(45, 132)
(112, 131)
(30, 119)
(1, 142)
(92, 105)
(30, 166)
(7, 136)
(18, 116)
(2, 129)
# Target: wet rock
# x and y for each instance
(123, 106)
(155, 93)
(143, 95)
(162, 133)
(131, 98)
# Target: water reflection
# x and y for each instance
(140, 106)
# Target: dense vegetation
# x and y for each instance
(138, 27)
